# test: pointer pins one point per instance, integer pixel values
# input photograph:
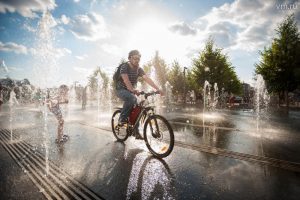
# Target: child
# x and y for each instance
(1, 96)
(53, 105)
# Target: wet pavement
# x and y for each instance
(221, 155)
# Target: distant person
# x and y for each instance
(231, 100)
(1, 96)
(37, 98)
(193, 97)
(53, 105)
(84, 98)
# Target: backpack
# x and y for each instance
(117, 75)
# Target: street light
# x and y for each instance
(184, 94)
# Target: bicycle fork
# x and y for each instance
(155, 134)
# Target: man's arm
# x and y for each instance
(152, 84)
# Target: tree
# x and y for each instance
(161, 70)
(93, 80)
(280, 63)
(212, 65)
(176, 78)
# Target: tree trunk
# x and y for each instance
(279, 99)
(287, 102)
(286, 95)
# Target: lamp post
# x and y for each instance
(184, 92)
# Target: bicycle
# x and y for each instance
(158, 133)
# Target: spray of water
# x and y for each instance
(156, 99)
(168, 93)
(262, 99)
(206, 95)
(45, 67)
(216, 96)
(99, 97)
(12, 102)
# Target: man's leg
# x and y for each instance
(129, 101)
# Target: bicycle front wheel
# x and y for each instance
(159, 136)
(121, 134)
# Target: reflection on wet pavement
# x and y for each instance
(223, 155)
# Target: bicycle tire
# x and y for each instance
(113, 127)
(170, 132)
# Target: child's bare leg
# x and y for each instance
(60, 128)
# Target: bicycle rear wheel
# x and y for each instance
(121, 134)
(159, 136)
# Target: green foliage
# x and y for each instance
(93, 80)
(212, 65)
(176, 78)
(161, 69)
(280, 63)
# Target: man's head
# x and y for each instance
(134, 57)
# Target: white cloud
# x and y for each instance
(90, 27)
(60, 52)
(83, 57)
(83, 71)
(112, 49)
(13, 47)
(246, 25)
(28, 28)
(182, 28)
(64, 19)
(26, 8)
(56, 52)
(76, 1)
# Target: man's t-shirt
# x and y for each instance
(133, 74)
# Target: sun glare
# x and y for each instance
(152, 34)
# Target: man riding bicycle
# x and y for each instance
(125, 87)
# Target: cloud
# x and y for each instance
(83, 71)
(55, 52)
(29, 28)
(90, 27)
(60, 52)
(254, 37)
(246, 25)
(26, 8)
(112, 49)
(224, 33)
(183, 29)
(13, 47)
(64, 19)
(81, 57)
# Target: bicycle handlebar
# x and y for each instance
(147, 94)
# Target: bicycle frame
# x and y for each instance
(144, 112)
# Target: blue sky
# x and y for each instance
(53, 42)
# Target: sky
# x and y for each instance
(53, 42)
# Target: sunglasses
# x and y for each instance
(136, 57)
